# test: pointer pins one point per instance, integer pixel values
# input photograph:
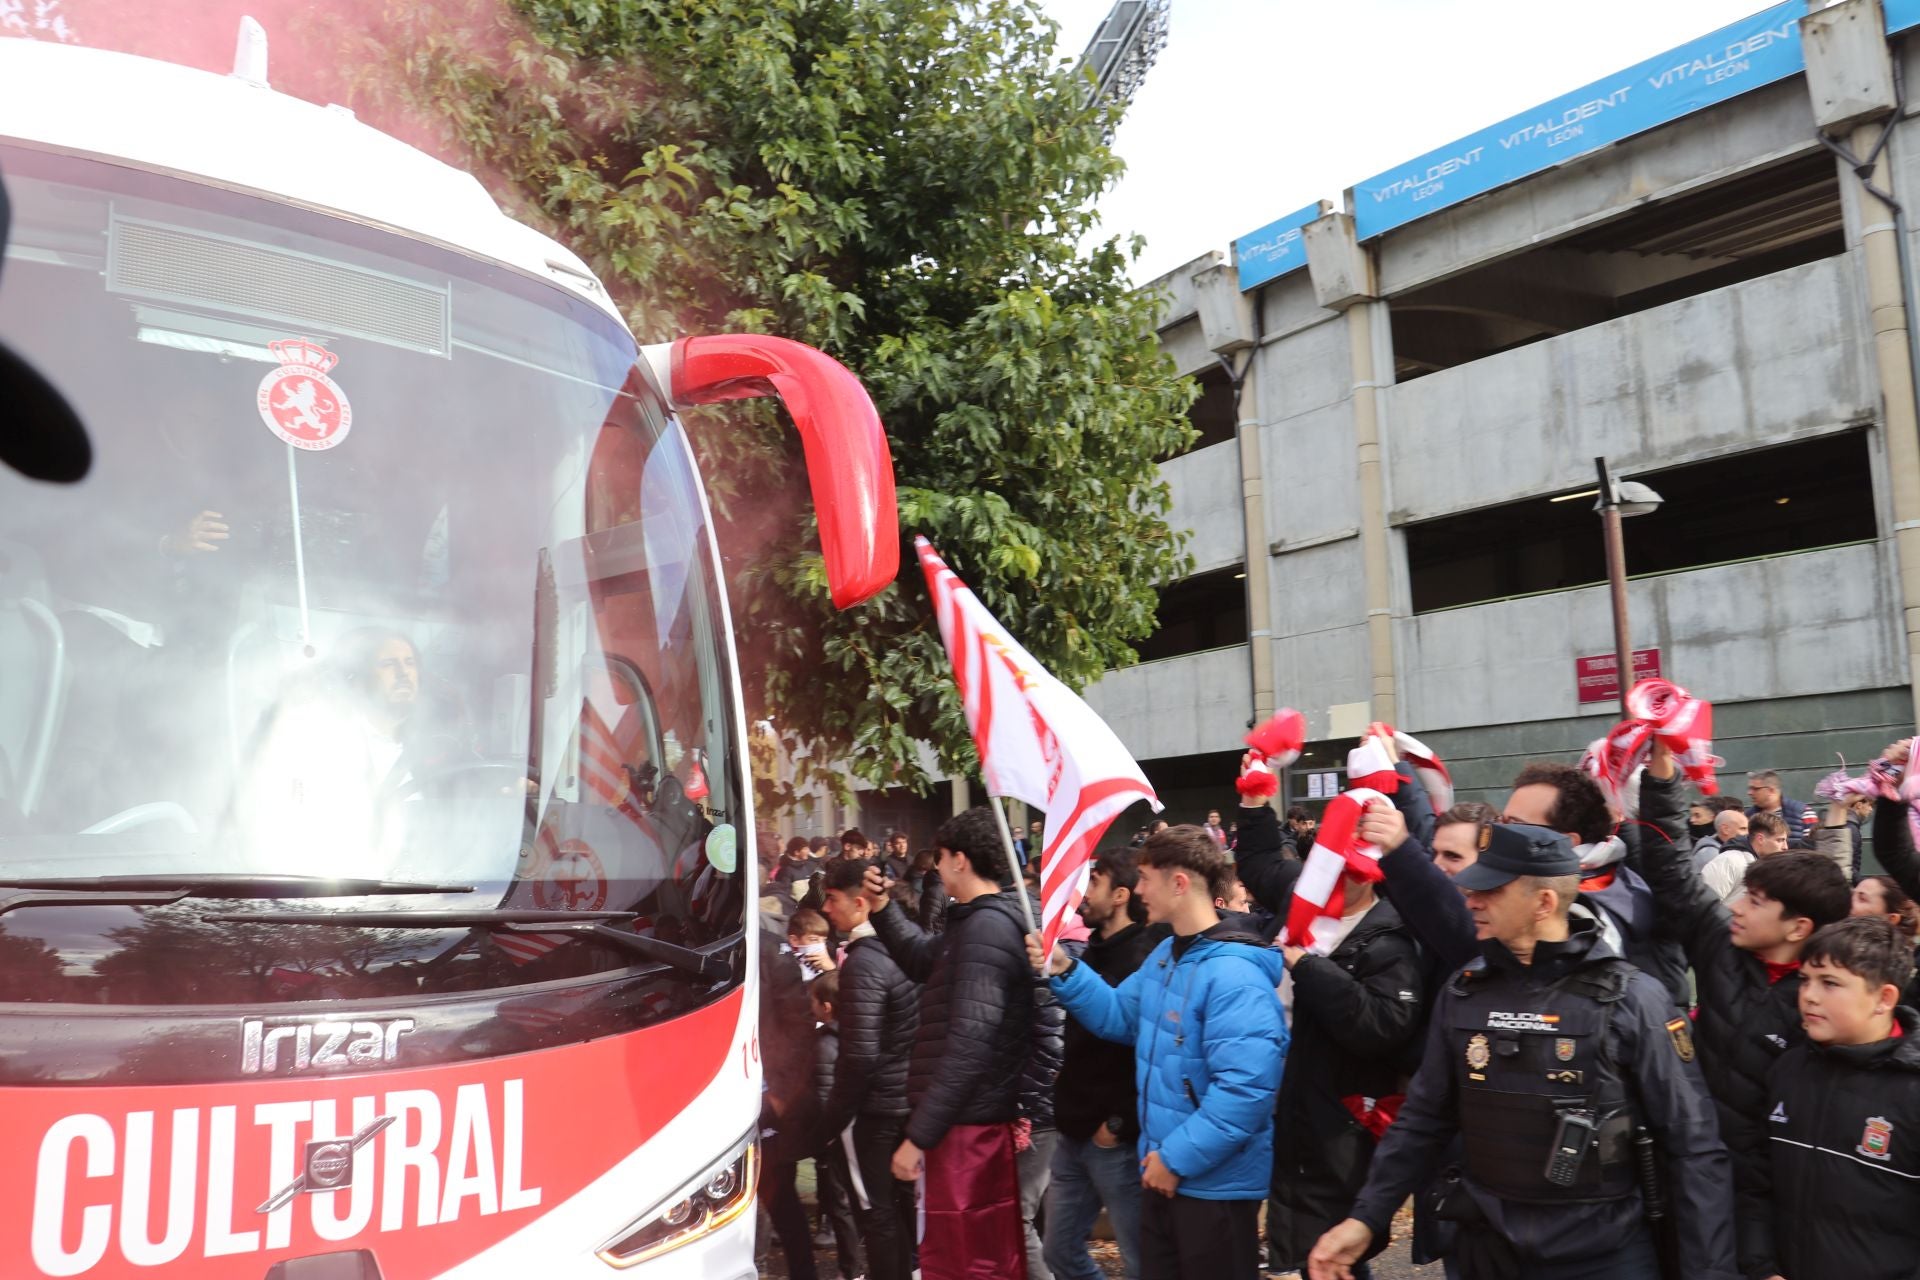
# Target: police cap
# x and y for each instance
(1516, 849)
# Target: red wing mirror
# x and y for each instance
(848, 464)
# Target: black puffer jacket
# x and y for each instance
(1831, 1184)
(878, 1013)
(826, 1058)
(976, 1014)
(1357, 1023)
(933, 903)
(1746, 1020)
(1260, 859)
(1893, 841)
(1096, 1076)
(1662, 824)
(788, 1105)
(1048, 1050)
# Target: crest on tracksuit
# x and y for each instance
(1876, 1141)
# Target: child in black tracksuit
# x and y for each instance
(1832, 1190)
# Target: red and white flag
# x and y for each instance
(1038, 741)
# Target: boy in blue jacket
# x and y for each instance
(1209, 1042)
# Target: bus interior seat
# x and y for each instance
(33, 696)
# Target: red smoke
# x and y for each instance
(202, 33)
(322, 51)
(355, 52)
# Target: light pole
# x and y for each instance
(1618, 499)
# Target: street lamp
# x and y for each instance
(1618, 499)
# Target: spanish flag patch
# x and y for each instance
(1682, 1037)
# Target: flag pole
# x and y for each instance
(1013, 863)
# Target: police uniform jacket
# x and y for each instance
(1509, 1045)
(1833, 1192)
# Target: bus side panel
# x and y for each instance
(171, 1180)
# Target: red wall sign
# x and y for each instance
(1598, 679)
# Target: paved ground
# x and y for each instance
(1394, 1264)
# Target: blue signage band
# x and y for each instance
(1278, 247)
(1738, 58)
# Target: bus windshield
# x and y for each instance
(390, 567)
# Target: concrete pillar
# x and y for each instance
(1230, 323)
(1343, 280)
(962, 795)
(1364, 322)
(1878, 241)
(1850, 84)
(1253, 508)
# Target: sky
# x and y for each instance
(1259, 107)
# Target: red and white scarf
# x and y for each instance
(1656, 709)
(1427, 766)
(1321, 893)
(1274, 745)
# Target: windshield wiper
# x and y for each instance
(709, 963)
(242, 885)
(160, 890)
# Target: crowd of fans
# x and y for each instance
(1585, 1042)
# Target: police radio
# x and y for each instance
(1570, 1144)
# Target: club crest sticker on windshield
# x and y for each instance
(572, 880)
(299, 402)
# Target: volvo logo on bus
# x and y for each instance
(328, 1165)
(319, 1045)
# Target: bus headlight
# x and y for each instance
(719, 1194)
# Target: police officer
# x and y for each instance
(1548, 1055)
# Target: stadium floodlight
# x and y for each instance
(1124, 49)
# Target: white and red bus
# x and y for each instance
(377, 882)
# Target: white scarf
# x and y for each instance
(1602, 853)
(1609, 928)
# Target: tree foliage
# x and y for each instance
(907, 184)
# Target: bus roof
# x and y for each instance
(236, 133)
